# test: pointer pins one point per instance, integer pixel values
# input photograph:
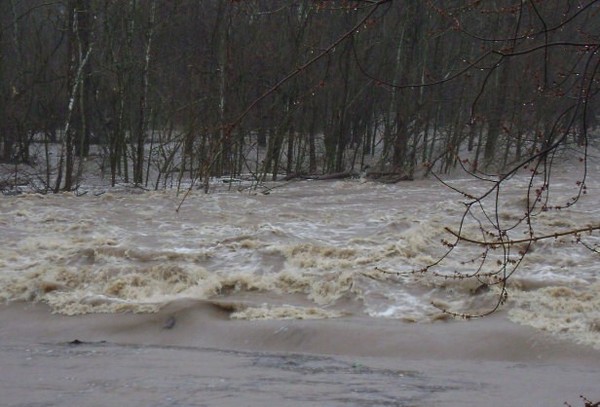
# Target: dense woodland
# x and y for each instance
(180, 89)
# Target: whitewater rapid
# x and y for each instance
(307, 249)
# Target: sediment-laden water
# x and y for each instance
(307, 249)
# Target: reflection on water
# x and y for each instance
(306, 250)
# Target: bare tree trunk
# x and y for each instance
(84, 27)
(76, 65)
(4, 136)
(138, 169)
(290, 151)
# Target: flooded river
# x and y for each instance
(248, 265)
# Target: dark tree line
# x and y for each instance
(160, 90)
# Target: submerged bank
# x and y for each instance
(191, 354)
(201, 324)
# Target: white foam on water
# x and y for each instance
(342, 246)
(569, 312)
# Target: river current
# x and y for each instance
(304, 249)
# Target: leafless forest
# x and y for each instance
(187, 89)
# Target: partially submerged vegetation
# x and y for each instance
(166, 94)
(171, 90)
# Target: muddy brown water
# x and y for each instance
(206, 359)
(241, 298)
